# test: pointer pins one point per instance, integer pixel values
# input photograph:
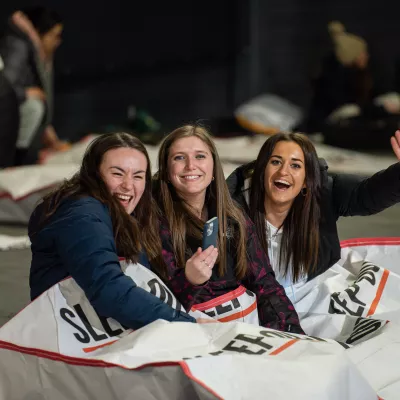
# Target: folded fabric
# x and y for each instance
(8, 242)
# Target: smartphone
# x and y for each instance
(210, 233)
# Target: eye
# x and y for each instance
(296, 165)
(117, 173)
(178, 158)
(138, 177)
(275, 162)
(201, 156)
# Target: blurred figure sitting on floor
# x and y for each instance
(9, 120)
(27, 51)
(348, 106)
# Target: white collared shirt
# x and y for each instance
(274, 239)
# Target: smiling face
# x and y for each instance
(284, 174)
(190, 167)
(124, 172)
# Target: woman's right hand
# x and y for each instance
(199, 267)
(35, 92)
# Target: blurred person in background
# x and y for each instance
(9, 121)
(349, 103)
(27, 50)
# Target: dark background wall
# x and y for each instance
(293, 36)
(184, 60)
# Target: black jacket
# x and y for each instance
(342, 195)
(9, 122)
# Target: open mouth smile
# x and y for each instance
(123, 198)
(191, 177)
(282, 185)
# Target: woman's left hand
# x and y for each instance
(395, 142)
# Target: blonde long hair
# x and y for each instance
(181, 218)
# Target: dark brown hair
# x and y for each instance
(181, 218)
(132, 233)
(300, 238)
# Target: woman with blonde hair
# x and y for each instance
(190, 188)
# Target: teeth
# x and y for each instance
(190, 177)
(283, 182)
(123, 197)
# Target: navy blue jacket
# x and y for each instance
(78, 241)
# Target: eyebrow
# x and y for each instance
(293, 159)
(184, 152)
(122, 170)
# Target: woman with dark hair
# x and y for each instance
(190, 188)
(27, 50)
(295, 204)
(104, 211)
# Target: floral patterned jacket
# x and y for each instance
(274, 308)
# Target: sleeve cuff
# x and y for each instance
(185, 291)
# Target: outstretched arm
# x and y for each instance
(354, 195)
(86, 246)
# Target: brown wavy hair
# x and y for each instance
(132, 233)
(300, 237)
(181, 218)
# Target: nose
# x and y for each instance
(190, 164)
(285, 168)
(127, 183)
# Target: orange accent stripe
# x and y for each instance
(89, 362)
(379, 292)
(219, 300)
(239, 314)
(90, 349)
(188, 372)
(284, 347)
(380, 241)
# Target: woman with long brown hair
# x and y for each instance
(105, 211)
(295, 204)
(190, 188)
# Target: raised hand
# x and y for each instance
(199, 267)
(395, 142)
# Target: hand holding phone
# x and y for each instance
(198, 268)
